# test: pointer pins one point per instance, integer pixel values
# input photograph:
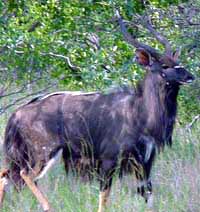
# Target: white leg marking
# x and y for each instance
(50, 164)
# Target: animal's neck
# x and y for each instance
(160, 102)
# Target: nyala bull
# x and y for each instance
(97, 133)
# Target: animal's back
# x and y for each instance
(91, 121)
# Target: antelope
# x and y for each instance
(98, 133)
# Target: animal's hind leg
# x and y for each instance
(38, 194)
(35, 175)
(3, 183)
(105, 188)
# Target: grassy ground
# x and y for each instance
(175, 178)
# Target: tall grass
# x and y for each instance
(175, 176)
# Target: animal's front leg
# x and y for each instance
(106, 172)
(103, 199)
(149, 194)
(147, 149)
(144, 188)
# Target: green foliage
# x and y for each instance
(37, 36)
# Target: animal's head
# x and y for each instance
(166, 67)
(165, 64)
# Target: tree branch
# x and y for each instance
(3, 109)
(67, 59)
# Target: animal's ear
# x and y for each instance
(143, 57)
(176, 54)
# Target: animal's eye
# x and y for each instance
(165, 66)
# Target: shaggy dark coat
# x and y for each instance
(98, 132)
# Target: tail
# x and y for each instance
(17, 152)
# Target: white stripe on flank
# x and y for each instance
(73, 93)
